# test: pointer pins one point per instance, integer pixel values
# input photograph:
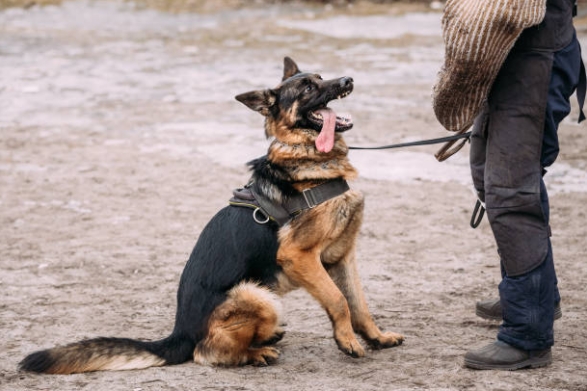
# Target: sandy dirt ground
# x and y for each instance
(120, 138)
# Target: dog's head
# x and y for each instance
(296, 110)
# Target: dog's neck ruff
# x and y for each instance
(266, 209)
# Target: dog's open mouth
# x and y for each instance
(329, 123)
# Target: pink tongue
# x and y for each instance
(325, 140)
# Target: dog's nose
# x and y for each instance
(346, 81)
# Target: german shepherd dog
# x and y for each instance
(227, 301)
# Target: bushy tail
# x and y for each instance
(108, 354)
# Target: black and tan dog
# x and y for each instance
(301, 233)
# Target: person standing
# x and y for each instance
(514, 139)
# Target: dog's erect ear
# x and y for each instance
(290, 68)
(260, 101)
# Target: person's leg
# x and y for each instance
(528, 301)
(564, 79)
(493, 309)
(528, 298)
(528, 308)
(512, 178)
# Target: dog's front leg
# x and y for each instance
(305, 269)
(345, 275)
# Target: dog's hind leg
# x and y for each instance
(241, 327)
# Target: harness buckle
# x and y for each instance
(309, 198)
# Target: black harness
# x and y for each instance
(265, 209)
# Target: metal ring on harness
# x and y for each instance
(257, 219)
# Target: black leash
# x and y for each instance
(443, 154)
(478, 213)
(417, 143)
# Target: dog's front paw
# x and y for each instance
(276, 337)
(261, 357)
(386, 340)
(351, 346)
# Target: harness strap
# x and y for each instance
(316, 195)
(282, 213)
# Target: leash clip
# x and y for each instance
(257, 220)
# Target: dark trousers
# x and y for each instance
(512, 143)
(528, 300)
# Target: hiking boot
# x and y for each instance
(501, 356)
(491, 309)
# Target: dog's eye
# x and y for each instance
(309, 88)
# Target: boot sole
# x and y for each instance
(530, 363)
(480, 313)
